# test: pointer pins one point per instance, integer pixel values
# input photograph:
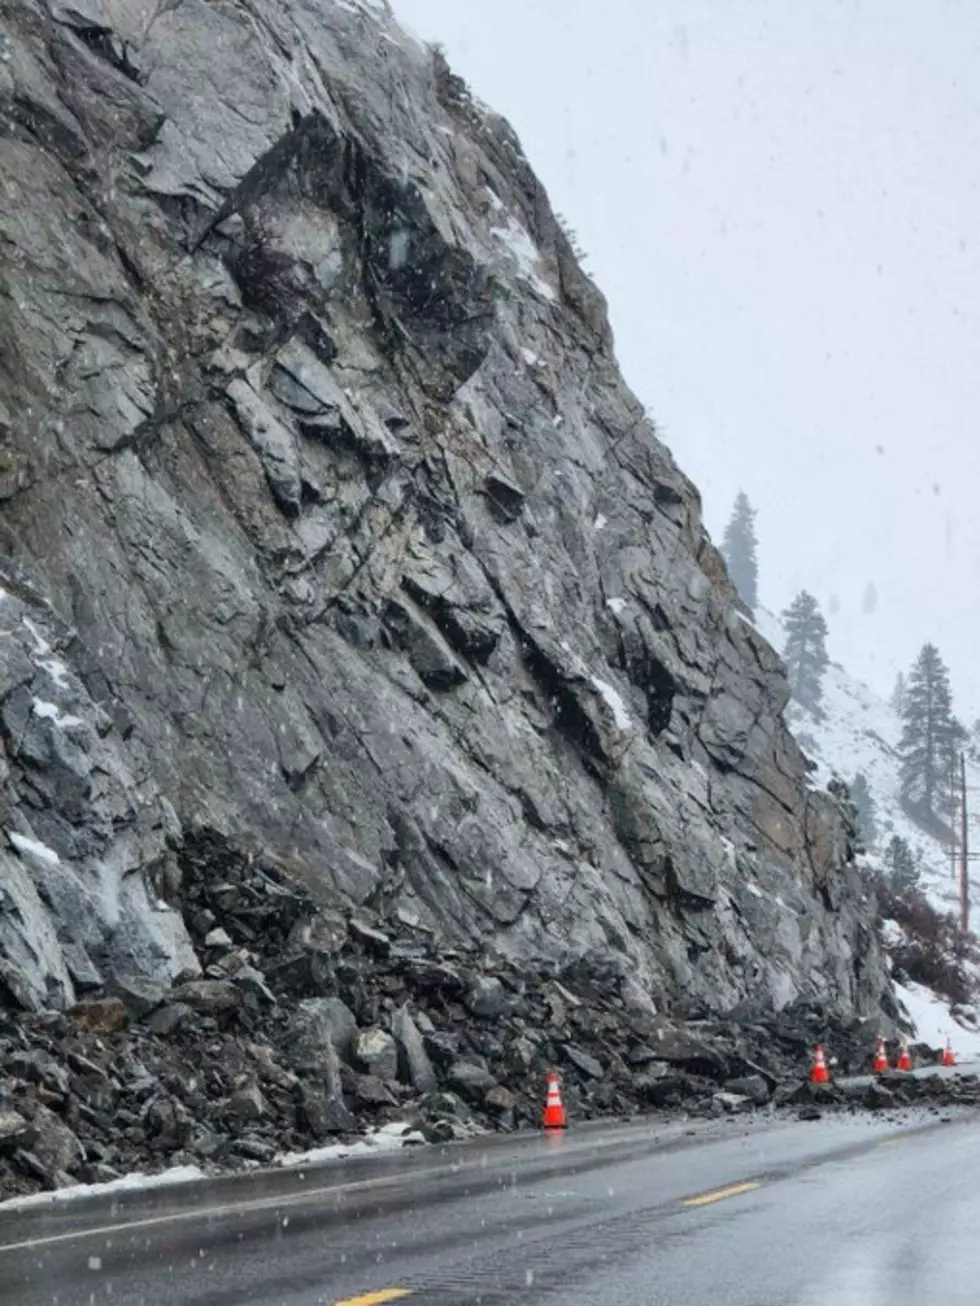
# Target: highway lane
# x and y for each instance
(755, 1212)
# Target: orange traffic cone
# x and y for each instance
(905, 1060)
(881, 1057)
(819, 1073)
(948, 1058)
(554, 1110)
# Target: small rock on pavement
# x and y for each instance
(750, 1086)
(100, 1015)
(877, 1096)
(731, 1101)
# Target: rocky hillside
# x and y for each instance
(330, 531)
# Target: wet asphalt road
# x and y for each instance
(853, 1211)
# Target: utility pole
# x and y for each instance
(953, 787)
(964, 853)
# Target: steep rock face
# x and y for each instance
(325, 500)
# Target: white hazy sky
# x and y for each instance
(781, 201)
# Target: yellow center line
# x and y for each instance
(376, 1298)
(720, 1194)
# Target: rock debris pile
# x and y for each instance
(305, 1026)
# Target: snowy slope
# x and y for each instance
(860, 732)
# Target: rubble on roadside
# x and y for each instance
(309, 1026)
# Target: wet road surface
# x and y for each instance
(853, 1210)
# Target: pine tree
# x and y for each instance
(931, 734)
(738, 548)
(897, 699)
(900, 862)
(864, 806)
(806, 650)
(841, 791)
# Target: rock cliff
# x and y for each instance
(330, 529)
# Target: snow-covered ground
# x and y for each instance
(934, 1024)
(126, 1183)
(387, 1138)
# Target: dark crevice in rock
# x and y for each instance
(569, 717)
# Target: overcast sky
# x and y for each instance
(781, 201)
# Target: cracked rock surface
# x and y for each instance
(328, 524)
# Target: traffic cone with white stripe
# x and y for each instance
(905, 1057)
(554, 1109)
(881, 1057)
(948, 1058)
(819, 1074)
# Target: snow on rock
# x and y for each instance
(34, 848)
(49, 712)
(613, 700)
(126, 1183)
(525, 253)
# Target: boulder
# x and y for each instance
(754, 1087)
(247, 1103)
(100, 1015)
(167, 1020)
(376, 1052)
(414, 1066)
(208, 997)
(317, 1023)
(471, 1080)
(16, 1132)
(583, 1061)
(486, 998)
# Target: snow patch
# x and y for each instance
(613, 701)
(57, 670)
(525, 253)
(41, 645)
(34, 848)
(126, 1183)
(616, 605)
(49, 712)
(599, 522)
(388, 1138)
(530, 357)
(398, 248)
(934, 1023)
